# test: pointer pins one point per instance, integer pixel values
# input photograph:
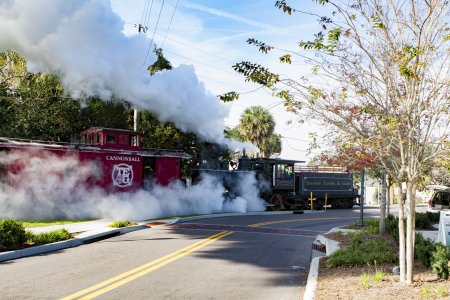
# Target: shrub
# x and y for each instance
(392, 227)
(362, 252)
(119, 224)
(424, 249)
(422, 221)
(433, 216)
(439, 261)
(12, 233)
(49, 237)
(372, 226)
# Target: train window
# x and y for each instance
(133, 140)
(284, 171)
(111, 138)
(84, 139)
(97, 139)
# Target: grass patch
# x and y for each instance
(120, 224)
(48, 237)
(42, 223)
(379, 276)
(361, 252)
(365, 281)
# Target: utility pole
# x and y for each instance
(136, 124)
(361, 200)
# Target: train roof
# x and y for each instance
(14, 143)
(278, 160)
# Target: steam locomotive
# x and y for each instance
(285, 184)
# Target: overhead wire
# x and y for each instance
(170, 23)
(147, 18)
(144, 12)
(156, 28)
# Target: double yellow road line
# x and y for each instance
(110, 284)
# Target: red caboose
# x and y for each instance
(115, 159)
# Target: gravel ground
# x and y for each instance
(347, 283)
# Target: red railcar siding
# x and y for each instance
(167, 169)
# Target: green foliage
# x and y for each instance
(42, 223)
(425, 292)
(377, 23)
(263, 47)
(392, 227)
(424, 249)
(361, 252)
(439, 261)
(49, 237)
(379, 276)
(229, 97)
(365, 281)
(256, 73)
(356, 234)
(433, 216)
(372, 226)
(119, 224)
(282, 5)
(12, 233)
(286, 59)
(110, 114)
(160, 64)
(441, 291)
(422, 221)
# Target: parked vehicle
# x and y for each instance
(440, 198)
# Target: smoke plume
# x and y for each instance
(47, 186)
(82, 42)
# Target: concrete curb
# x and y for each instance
(330, 246)
(311, 283)
(82, 238)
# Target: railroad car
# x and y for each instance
(117, 160)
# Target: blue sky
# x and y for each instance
(211, 35)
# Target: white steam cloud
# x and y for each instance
(82, 42)
(46, 186)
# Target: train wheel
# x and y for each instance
(319, 204)
(276, 202)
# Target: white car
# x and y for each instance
(440, 199)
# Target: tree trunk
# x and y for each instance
(401, 234)
(388, 200)
(410, 231)
(383, 205)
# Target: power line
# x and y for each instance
(170, 23)
(156, 28)
(144, 12)
(147, 18)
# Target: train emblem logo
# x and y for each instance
(122, 175)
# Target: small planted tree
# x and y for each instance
(381, 74)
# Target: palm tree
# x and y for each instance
(256, 125)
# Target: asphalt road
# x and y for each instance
(248, 257)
